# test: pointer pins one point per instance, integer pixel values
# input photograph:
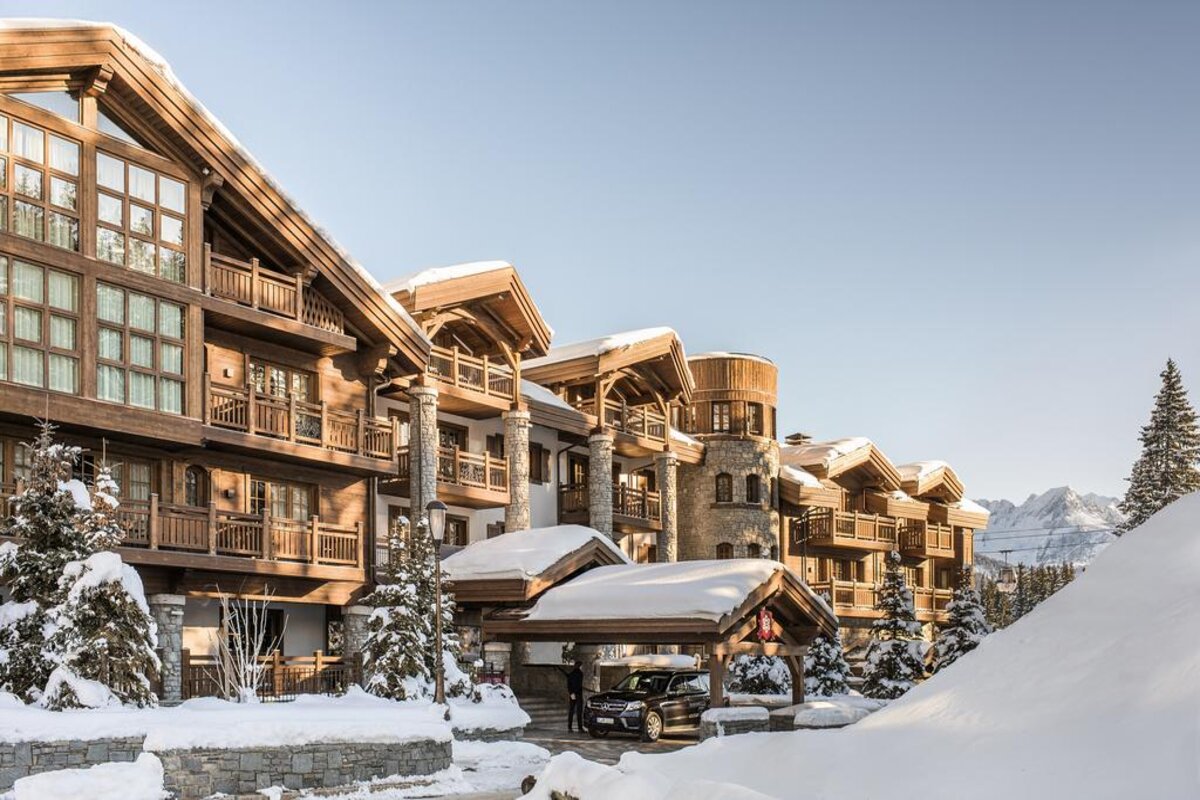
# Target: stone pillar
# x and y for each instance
(354, 632)
(666, 466)
(600, 482)
(516, 448)
(167, 611)
(423, 449)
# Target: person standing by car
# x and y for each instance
(575, 696)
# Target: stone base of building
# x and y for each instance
(22, 759)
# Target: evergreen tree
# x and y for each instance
(966, 627)
(1020, 598)
(1166, 469)
(826, 673)
(896, 656)
(750, 673)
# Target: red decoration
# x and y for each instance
(766, 625)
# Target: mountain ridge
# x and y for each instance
(1058, 525)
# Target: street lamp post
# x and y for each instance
(436, 514)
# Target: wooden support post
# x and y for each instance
(254, 283)
(716, 680)
(212, 527)
(185, 669)
(207, 396)
(266, 544)
(454, 365)
(362, 544)
(153, 521)
(314, 538)
(291, 416)
(208, 278)
(318, 662)
(324, 424)
(487, 384)
(251, 415)
(300, 296)
(277, 672)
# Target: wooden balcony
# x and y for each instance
(471, 480)
(642, 422)
(473, 387)
(829, 528)
(921, 539)
(858, 599)
(266, 421)
(634, 509)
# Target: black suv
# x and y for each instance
(648, 703)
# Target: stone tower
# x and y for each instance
(729, 506)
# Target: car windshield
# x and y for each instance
(648, 682)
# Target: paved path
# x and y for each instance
(605, 751)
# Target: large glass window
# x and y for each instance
(139, 350)
(39, 182)
(39, 326)
(286, 500)
(721, 421)
(280, 381)
(141, 218)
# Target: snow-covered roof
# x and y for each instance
(598, 346)
(522, 554)
(426, 277)
(538, 393)
(163, 68)
(821, 454)
(680, 436)
(723, 354)
(682, 590)
(971, 507)
(801, 476)
(920, 470)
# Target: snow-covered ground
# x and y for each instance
(138, 780)
(1094, 694)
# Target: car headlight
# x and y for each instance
(634, 705)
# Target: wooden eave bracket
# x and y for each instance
(208, 187)
(94, 82)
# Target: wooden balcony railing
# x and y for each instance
(284, 677)
(318, 424)
(627, 501)
(643, 421)
(461, 468)
(7, 490)
(246, 283)
(926, 538)
(451, 366)
(826, 526)
(160, 526)
(856, 596)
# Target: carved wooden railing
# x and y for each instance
(462, 468)
(451, 366)
(318, 424)
(248, 284)
(925, 538)
(644, 421)
(284, 677)
(827, 526)
(161, 526)
(627, 501)
(859, 596)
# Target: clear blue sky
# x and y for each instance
(968, 231)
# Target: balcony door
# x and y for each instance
(280, 381)
(285, 500)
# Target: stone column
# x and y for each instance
(600, 482)
(516, 449)
(423, 449)
(354, 632)
(167, 611)
(666, 467)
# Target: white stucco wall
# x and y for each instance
(305, 631)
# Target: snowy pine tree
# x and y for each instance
(1166, 469)
(750, 673)
(826, 673)
(896, 656)
(966, 626)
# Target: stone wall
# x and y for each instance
(167, 610)
(732, 721)
(30, 758)
(704, 523)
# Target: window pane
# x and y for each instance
(141, 183)
(60, 103)
(3, 133)
(141, 220)
(27, 281)
(62, 193)
(172, 195)
(138, 487)
(3, 207)
(29, 220)
(28, 367)
(64, 155)
(27, 324)
(3, 173)
(170, 396)
(141, 352)
(27, 181)
(62, 332)
(64, 231)
(170, 321)
(3, 275)
(109, 209)
(110, 345)
(64, 373)
(3, 361)
(171, 266)
(29, 143)
(3, 321)
(110, 245)
(64, 291)
(141, 390)
(110, 384)
(110, 172)
(172, 230)
(171, 358)
(141, 312)
(141, 255)
(110, 304)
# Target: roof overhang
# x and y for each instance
(658, 360)
(865, 465)
(940, 482)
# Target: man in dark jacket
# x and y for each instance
(575, 693)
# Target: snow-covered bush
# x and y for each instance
(826, 673)
(757, 674)
(896, 656)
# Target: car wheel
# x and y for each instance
(652, 728)
(597, 734)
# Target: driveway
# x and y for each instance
(605, 751)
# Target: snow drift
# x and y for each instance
(1095, 693)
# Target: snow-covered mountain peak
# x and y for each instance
(1058, 525)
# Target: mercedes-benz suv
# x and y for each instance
(649, 703)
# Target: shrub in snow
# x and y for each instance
(757, 674)
(896, 656)
(241, 644)
(965, 628)
(826, 673)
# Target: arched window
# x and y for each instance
(753, 489)
(774, 552)
(195, 486)
(724, 550)
(753, 551)
(724, 488)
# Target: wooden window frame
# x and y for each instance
(9, 196)
(754, 482)
(253, 361)
(539, 463)
(9, 304)
(755, 422)
(721, 416)
(158, 340)
(312, 490)
(125, 228)
(724, 551)
(754, 550)
(723, 488)
(460, 433)
(465, 538)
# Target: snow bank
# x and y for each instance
(570, 773)
(1095, 693)
(522, 554)
(599, 346)
(497, 710)
(835, 712)
(496, 766)
(137, 780)
(735, 714)
(427, 277)
(682, 589)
